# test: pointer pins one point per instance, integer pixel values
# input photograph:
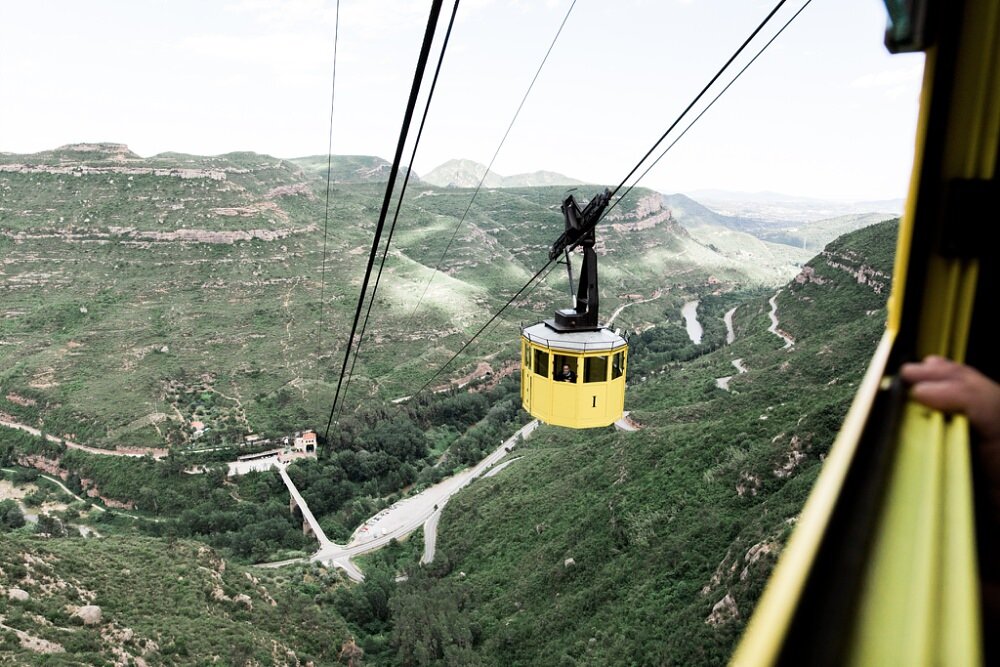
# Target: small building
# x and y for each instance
(305, 441)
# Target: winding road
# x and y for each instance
(789, 341)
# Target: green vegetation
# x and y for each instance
(607, 547)
(177, 603)
(200, 289)
(141, 295)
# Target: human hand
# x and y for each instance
(952, 387)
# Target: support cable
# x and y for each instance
(710, 104)
(483, 328)
(399, 203)
(639, 164)
(329, 173)
(697, 97)
(407, 118)
(454, 233)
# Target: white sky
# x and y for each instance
(825, 112)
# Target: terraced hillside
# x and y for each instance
(142, 294)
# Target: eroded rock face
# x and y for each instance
(724, 611)
(851, 264)
(37, 644)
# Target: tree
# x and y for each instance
(50, 525)
(11, 516)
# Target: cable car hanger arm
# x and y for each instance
(579, 223)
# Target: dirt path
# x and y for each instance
(619, 309)
(135, 452)
(723, 382)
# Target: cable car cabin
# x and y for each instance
(591, 394)
(572, 367)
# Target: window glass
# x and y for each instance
(617, 365)
(595, 369)
(565, 368)
(526, 356)
(542, 363)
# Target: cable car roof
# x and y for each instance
(574, 341)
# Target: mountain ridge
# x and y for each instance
(463, 173)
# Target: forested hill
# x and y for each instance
(652, 547)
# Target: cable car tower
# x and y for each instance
(572, 366)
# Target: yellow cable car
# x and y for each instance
(573, 367)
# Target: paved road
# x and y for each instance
(728, 319)
(430, 536)
(691, 323)
(402, 518)
(307, 514)
(789, 341)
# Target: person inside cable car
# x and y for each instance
(566, 374)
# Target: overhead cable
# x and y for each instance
(641, 161)
(482, 179)
(697, 97)
(714, 100)
(399, 203)
(418, 76)
(329, 172)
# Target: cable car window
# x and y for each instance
(526, 356)
(542, 363)
(617, 365)
(595, 369)
(565, 368)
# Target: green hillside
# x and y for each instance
(142, 294)
(651, 548)
(136, 601)
(593, 548)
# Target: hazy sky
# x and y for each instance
(824, 112)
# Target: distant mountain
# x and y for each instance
(538, 179)
(90, 152)
(235, 250)
(799, 222)
(462, 174)
(732, 237)
(467, 174)
(775, 207)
